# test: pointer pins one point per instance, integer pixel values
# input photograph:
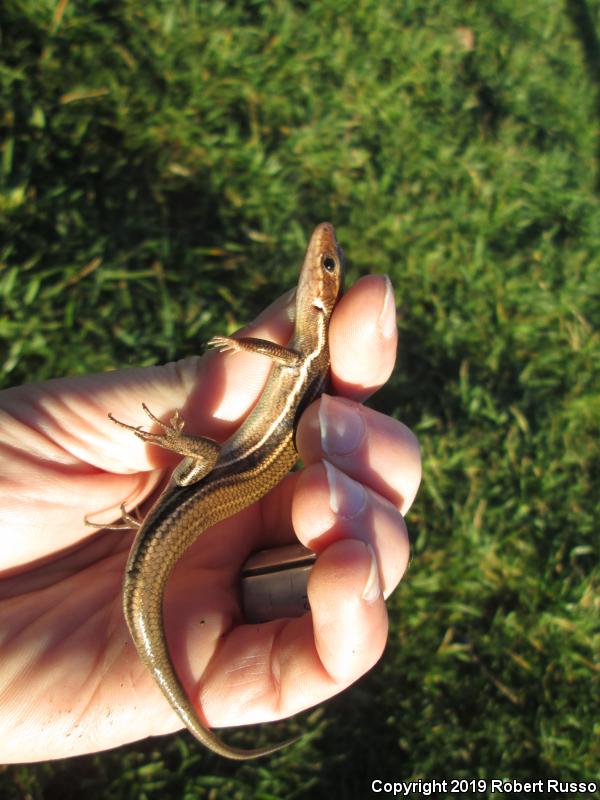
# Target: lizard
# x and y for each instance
(215, 481)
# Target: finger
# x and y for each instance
(372, 448)
(329, 506)
(321, 505)
(274, 670)
(363, 337)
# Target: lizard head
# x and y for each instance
(321, 280)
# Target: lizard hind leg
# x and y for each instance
(130, 521)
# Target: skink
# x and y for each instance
(213, 482)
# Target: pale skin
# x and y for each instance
(71, 681)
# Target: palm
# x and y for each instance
(75, 575)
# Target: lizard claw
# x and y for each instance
(223, 343)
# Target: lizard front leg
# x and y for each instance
(200, 452)
(284, 356)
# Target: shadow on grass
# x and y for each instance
(578, 12)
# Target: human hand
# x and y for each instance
(72, 681)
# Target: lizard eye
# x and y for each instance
(329, 263)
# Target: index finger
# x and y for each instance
(363, 337)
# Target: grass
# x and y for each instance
(162, 165)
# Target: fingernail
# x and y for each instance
(347, 498)
(372, 588)
(387, 318)
(341, 424)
